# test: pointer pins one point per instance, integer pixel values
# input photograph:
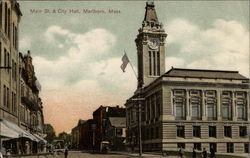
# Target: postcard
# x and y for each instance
(124, 78)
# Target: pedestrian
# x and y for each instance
(204, 153)
(8, 153)
(212, 153)
(194, 153)
(181, 152)
(66, 153)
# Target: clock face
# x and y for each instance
(153, 43)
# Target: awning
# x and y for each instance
(7, 132)
(13, 128)
(40, 138)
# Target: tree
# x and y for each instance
(50, 132)
(65, 137)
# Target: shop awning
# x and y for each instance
(13, 128)
(40, 138)
(7, 132)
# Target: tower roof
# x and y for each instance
(150, 14)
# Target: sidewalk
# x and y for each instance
(144, 155)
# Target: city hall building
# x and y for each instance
(189, 108)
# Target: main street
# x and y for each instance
(77, 154)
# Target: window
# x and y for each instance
(196, 110)
(12, 68)
(240, 95)
(213, 146)
(210, 93)
(212, 131)
(154, 62)
(196, 131)
(241, 112)
(119, 131)
(246, 147)
(15, 72)
(227, 131)
(157, 132)
(226, 105)
(15, 104)
(181, 145)
(16, 38)
(197, 146)
(180, 131)
(179, 104)
(5, 58)
(8, 98)
(13, 34)
(4, 96)
(179, 92)
(22, 114)
(158, 63)
(180, 113)
(148, 108)
(243, 131)
(152, 107)
(152, 133)
(5, 17)
(158, 104)
(8, 61)
(230, 147)
(226, 111)
(150, 63)
(8, 32)
(211, 111)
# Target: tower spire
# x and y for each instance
(150, 18)
(150, 44)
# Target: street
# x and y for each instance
(77, 154)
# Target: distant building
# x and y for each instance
(76, 134)
(21, 110)
(91, 133)
(116, 133)
(101, 115)
(188, 108)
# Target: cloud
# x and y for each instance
(24, 43)
(82, 79)
(224, 45)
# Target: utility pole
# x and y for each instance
(139, 126)
(139, 99)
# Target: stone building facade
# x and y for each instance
(188, 108)
(21, 111)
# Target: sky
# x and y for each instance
(77, 55)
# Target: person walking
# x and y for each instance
(194, 153)
(66, 152)
(181, 152)
(204, 153)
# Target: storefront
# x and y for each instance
(19, 141)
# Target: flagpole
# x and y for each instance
(132, 66)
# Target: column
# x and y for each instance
(204, 117)
(234, 118)
(218, 106)
(187, 107)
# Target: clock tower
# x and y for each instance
(150, 44)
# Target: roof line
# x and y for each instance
(227, 71)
